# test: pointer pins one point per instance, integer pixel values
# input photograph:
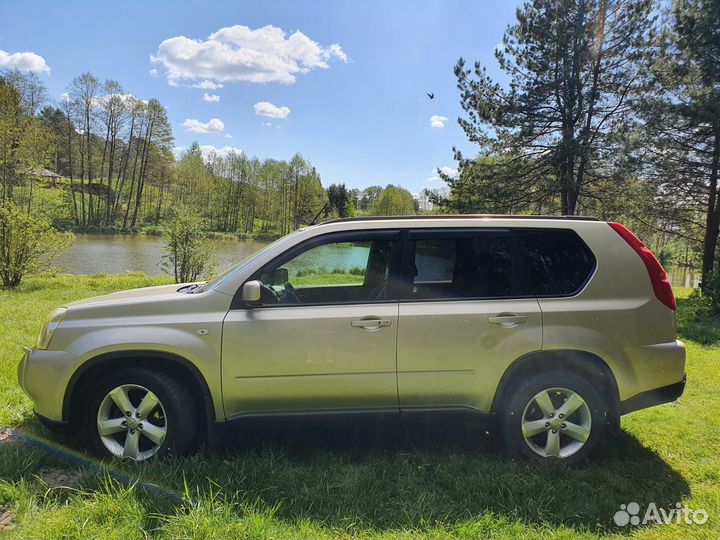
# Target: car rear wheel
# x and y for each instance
(137, 414)
(555, 416)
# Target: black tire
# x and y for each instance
(178, 412)
(524, 391)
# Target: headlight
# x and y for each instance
(49, 327)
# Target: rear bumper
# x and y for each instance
(666, 394)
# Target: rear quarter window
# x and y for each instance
(556, 262)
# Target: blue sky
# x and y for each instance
(354, 79)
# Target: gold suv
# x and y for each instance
(553, 327)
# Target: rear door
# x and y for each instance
(462, 317)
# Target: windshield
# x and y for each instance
(216, 281)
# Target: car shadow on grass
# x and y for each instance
(391, 477)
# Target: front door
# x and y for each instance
(325, 336)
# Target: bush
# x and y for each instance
(188, 254)
(705, 302)
(27, 244)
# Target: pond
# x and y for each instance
(112, 254)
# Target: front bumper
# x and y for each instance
(658, 396)
(44, 376)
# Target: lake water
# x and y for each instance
(112, 254)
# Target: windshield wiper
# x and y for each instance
(188, 289)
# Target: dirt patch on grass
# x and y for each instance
(55, 478)
(7, 517)
(7, 435)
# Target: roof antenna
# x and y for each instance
(314, 220)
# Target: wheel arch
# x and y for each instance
(584, 363)
(93, 369)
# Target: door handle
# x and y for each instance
(371, 324)
(507, 319)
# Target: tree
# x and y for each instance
(479, 188)
(27, 243)
(573, 67)
(339, 200)
(159, 133)
(113, 107)
(683, 125)
(84, 90)
(188, 255)
(24, 141)
(394, 201)
(369, 196)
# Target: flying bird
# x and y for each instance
(431, 96)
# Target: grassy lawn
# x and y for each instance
(315, 481)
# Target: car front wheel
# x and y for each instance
(138, 414)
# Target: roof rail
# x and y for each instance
(458, 216)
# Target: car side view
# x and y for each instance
(550, 327)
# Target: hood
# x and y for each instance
(143, 294)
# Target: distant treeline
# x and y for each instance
(102, 159)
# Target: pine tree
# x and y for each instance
(573, 72)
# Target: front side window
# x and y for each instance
(355, 271)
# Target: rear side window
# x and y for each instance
(465, 266)
(507, 263)
(555, 262)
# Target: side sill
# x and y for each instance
(412, 414)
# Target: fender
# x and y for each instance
(209, 405)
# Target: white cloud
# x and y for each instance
(127, 99)
(172, 82)
(448, 171)
(335, 51)
(239, 53)
(265, 108)
(207, 149)
(24, 61)
(154, 72)
(438, 121)
(208, 85)
(211, 98)
(215, 125)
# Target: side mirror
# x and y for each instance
(251, 292)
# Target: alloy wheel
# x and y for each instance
(556, 423)
(131, 422)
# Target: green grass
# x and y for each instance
(360, 480)
(315, 277)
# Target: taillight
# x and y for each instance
(658, 277)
